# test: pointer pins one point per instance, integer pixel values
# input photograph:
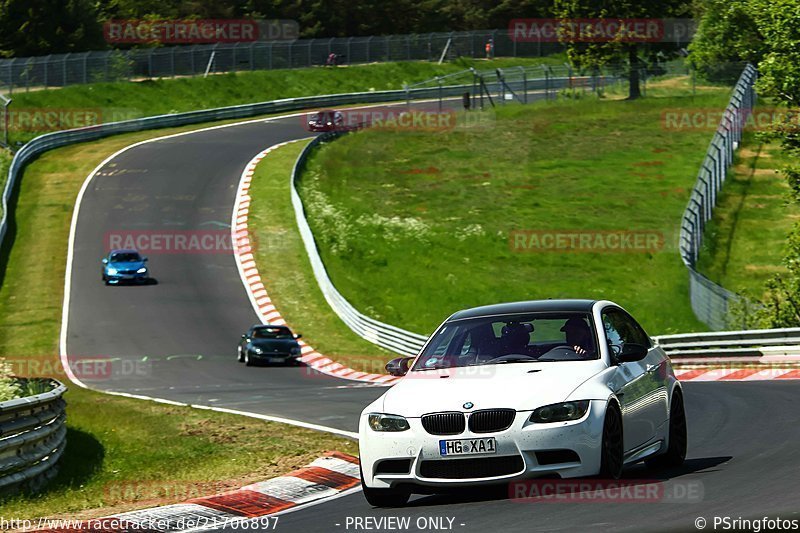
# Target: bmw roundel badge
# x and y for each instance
(469, 405)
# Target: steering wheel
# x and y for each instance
(566, 353)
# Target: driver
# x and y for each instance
(578, 335)
(515, 338)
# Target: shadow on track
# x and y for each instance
(632, 475)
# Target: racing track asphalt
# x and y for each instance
(742, 435)
(187, 325)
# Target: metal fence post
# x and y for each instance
(64, 71)
(369, 40)
(430, 44)
(524, 85)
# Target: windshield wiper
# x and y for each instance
(437, 367)
(514, 360)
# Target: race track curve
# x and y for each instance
(176, 339)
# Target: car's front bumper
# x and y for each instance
(273, 358)
(518, 445)
(116, 278)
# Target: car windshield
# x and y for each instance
(125, 257)
(524, 338)
(272, 333)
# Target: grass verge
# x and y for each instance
(413, 226)
(111, 439)
(744, 244)
(125, 99)
(283, 262)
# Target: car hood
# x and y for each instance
(519, 386)
(280, 345)
(130, 265)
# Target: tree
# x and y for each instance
(37, 27)
(727, 38)
(778, 21)
(620, 50)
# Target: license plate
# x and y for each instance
(274, 360)
(467, 446)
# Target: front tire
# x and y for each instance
(384, 497)
(612, 449)
(247, 361)
(239, 355)
(678, 437)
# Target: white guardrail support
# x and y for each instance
(756, 342)
(33, 436)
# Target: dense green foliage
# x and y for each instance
(37, 27)
(726, 38)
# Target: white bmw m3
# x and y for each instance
(564, 388)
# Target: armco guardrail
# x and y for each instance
(711, 302)
(755, 342)
(384, 335)
(32, 439)
(57, 139)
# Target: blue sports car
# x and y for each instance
(125, 265)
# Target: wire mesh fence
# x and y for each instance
(711, 302)
(59, 70)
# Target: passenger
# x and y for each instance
(578, 336)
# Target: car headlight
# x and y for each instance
(560, 412)
(112, 271)
(382, 422)
(142, 270)
(255, 349)
(295, 350)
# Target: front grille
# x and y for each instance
(472, 468)
(393, 466)
(552, 457)
(444, 423)
(126, 271)
(491, 420)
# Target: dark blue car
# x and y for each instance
(125, 265)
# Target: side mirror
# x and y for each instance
(244, 336)
(144, 259)
(104, 260)
(298, 336)
(399, 366)
(632, 352)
